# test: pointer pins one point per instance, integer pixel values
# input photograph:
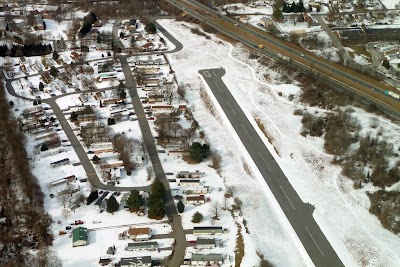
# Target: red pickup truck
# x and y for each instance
(77, 222)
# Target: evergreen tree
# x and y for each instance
(197, 217)
(122, 94)
(180, 206)
(110, 121)
(11, 103)
(158, 189)
(35, 103)
(74, 116)
(44, 148)
(53, 71)
(301, 6)
(277, 14)
(292, 7)
(112, 205)
(386, 64)
(157, 209)
(135, 200)
(41, 86)
(285, 8)
(98, 39)
(198, 152)
(150, 28)
(295, 8)
(55, 55)
(96, 159)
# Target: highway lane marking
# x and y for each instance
(246, 132)
(264, 161)
(231, 108)
(217, 86)
(315, 242)
(288, 199)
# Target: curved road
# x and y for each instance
(179, 234)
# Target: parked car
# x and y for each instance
(68, 227)
(96, 221)
(83, 180)
(61, 232)
(77, 222)
(51, 195)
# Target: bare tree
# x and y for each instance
(45, 258)
(181, 90)
(230, 190)
(169, 91)
(238, 202)
(216, 207)
(66, 195)
(65, 213)
(150, 172)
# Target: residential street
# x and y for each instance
(172, 213)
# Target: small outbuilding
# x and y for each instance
(266, 22)
(80, 237)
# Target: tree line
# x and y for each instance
(24, 222)
(25, 50)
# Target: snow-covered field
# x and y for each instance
(390, 4)
(354, 233)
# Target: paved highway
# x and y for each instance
(297, 212)
(364, 86)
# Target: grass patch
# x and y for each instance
(360, 50)
(271, 140)
(239, 251)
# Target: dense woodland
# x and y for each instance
(24, 222)
(25, 50)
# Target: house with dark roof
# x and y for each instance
(208, 230)
(151, 245)
(80, 237)
(195, 200)
(144, 261)
(205, 243)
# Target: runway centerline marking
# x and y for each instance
(315, 242)
(246, 132)
(217, 86)
(231, 108)
(264, 161)
(288, 199)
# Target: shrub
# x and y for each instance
(180, 206)
(197, 217)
